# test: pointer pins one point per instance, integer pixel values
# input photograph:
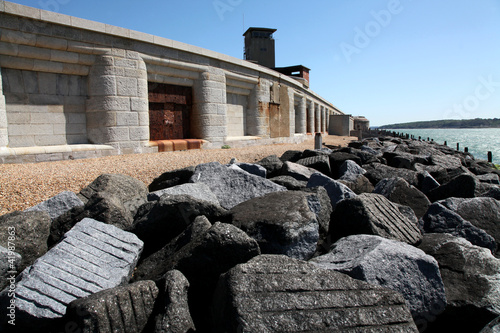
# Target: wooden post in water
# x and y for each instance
(490, 157)
(466, 149)
(445, 143)
(458, 146)
(318, 141)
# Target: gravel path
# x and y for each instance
(25, 185)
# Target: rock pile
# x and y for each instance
(386, 235)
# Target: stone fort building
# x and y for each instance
(73, 88)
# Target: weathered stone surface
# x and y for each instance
(254, 169)
(120, 309)
(375, 172)
(393, 265)
(272, 164)
(93, 256)
(316, 152)
(492, 327)
(463, 186)
(10, 263)
(289, 182)
(232, 187)
(489, 178)
(174, 316)
(493, 192)
(291, 156)
(372, 214)
(157, 223)
(31, 231)
(109, 209)
(320, 204)
(320, 163)
(358, 185)
(272, 293)
(297, 171)
(426, 182)
(439, 219)
(58, 205)
(282, 223)
(350, 170)
(199, 191)
(338, 158)
(171, 178)
(399, 191)
(336, 190)
(471, 277)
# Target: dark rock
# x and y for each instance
(109, 209)
(199, 191)
(489, 178)
(297, 171)
(350, 170)
(440, 219)
(409, 213)
(320, 163)
(358, 185)
(282, 223)
(233, 187)
(93, 256)
(156, 265)
(411, 272)
(443, 167)
(375, 172)
(316, 152)
(366, 154)
(291, 156)
(121, 309)
(405, 160)
(65, 222)
(492, 327)
(399, 191)
(426, 182)
(254, 169)
(289, 182)
(338, 158)
(272, 164)
(171, 178)
(471, 278)
(274, 293)
(31, 231)
(336, 190)
(157, 223)
(174, 316)
(463, 186)
(58, 205)
(372, 214)
(320, 204)
(493, 192)
(10, 261)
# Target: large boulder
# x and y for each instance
(471, 277)
(273, 293)
(290, 183)
(10, 264)
(93, 256)
(358, 185)
(120, 309)
(463, 186)
(30, 231)
(272, 164)
(320, 204)
(282, 223)
(171, 178)
(376, 172)
(231, 186)
(338, 158)
(350, 170)
(199, 191)
(254, 169)
(393, 265)
(336, 190)
(439, 219)
(291, 156)
(372, 214)
(492, 327)
(58, 204)
(399, 191)
(320, 163)
(297, 171)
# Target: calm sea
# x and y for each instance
(479, 140)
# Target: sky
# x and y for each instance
(391, 61)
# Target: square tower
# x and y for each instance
(259, 46)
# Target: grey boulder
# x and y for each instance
(297, 171)
(171, 178)
(290, 183)
(336, 190)
(272, 164)
(350, 170)
(199, 191)
(58, 205)
(10, 263)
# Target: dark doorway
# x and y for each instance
(169, 111)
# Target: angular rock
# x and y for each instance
(272, 164)
(439, 219)
(230, 186)
(93, 256)
(350, 170)
(463, 186)
(405, 160)
(375, 172)
(492, 327)
(272, 293)
(58, 205)
(289, 182)
(174, 313)
(120, 309)
(109, 209)
(254, 169)
(171, 178)
(291, 156)
(199, 191)
(157, 223)
(338, 158)
(399, 191)
(426, 182)
(282, 223)
(316, 152)
(372, 214)
(297, 171)
(320, 204)
(489, 178)
(471, 277)
(10, 263)
(31, 231)
(410, 271)
(409, 213)
(358, 185)
(336, 190)
(320, 163)
(493, 192)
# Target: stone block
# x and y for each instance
(127, 119)
(18, 37)
(51, 42)
(103, 85)
(48, 118)
(50, 140)
(33, 52)
(139, 104)
(18, 118)
(140, 133)
(4, 137)
(76, 118)
(14, 80)
(63, 56)
(105, 103)
(76, 128)
(126, 63)
(58, 205)
(73, 139)
(126, 86)
(47, 83)
(143, 118)
(30, 80)
(9, 49)
(21, 10)
(47, 66)
(21, 141)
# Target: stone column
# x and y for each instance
(311, 117)
(117, 109)
(327, 120)
(209, 117)
(258, 109)
(317, 113)
(323, 119)
(4, 135)
(302, 121)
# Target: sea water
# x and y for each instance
(479, 140)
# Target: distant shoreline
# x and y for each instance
(444, 124)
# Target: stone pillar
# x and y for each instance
(323, 119)
(4, 135)
(258, 109)
(327, 120)
(317, 113)
(117, 109)
(310, 128)
(302, 121)
(209, 117)
(291, 110)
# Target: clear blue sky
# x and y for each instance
(391, 61)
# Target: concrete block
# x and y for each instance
(77, 22)
(104, 85)
(9, 49)
(140, 133)
(139, 104)
(143, 118)
(30, 80)
(13, 8)
(63, 56)
(53, 16)
(112, 103)
(99, 119)
(33, 52)
(126, 86)
(127, 119)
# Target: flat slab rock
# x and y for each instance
(273, 293)
(199, 191)
(58, 204)
(92, 256)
